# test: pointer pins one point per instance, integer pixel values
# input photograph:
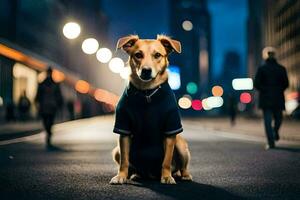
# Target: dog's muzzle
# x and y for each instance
(146, 74)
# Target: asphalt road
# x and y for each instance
(223, 167)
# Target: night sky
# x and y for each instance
(148, 18)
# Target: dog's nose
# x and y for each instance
(146, 74)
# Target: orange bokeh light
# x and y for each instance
(101, 95)
(58, 76)
(82, 87)
(217, 91)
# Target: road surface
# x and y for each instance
(224, 166)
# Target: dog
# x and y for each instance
(147, 116)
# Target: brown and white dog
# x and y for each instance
(148, 59)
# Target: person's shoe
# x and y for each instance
(276, 136)
(269, 146)
(48, 143)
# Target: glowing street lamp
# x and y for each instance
(103, 55)
(58, 76)
(82, 86)
(187, 25)
(125, 72)
(71, 30)
(90, 46)
(116, 65)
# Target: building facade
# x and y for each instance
(190, 24)
(34, 28)
(275, 23)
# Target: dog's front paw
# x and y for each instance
(167, 180)
(187, 177)
(117, 180)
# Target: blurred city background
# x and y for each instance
(223, 45)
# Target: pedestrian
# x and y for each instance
(271, 80)
(24, 105)
(10, 112)
(49, 100)
(70, 106)
(232, 109)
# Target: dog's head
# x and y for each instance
(148, 59)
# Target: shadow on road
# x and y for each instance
(53, 148)
(188, 190)
(295, 150)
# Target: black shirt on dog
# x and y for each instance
(147, 116)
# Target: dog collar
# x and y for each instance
(147, 94)
(148, 97)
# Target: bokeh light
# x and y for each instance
(58, 76)
(184, 102)
(104, 55)
(245, 97)
(1, 101)
(266, 50)
(174, 77)
(192, 88)
(242, 84)
(215, 102)
(125, 72)
(217, 91)
(116, 65)
(101, 95)
(205, 104)
(82, 86)
(187, 25)
(90, 46)
(71, 30)
(197, 104)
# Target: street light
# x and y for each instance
(103, 55)
(116, 65)
(82, 86)
(58, 76)
(71, 30)
(125, 72)
(187, 25)
(90, 46)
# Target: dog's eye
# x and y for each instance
(138, 55)
(157, 55)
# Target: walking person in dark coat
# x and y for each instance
(271, 80)
(24, 105)
(49, 99)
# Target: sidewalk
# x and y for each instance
(289, 131)
(13, 130)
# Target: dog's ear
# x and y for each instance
(127, 42)
(169, 44)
